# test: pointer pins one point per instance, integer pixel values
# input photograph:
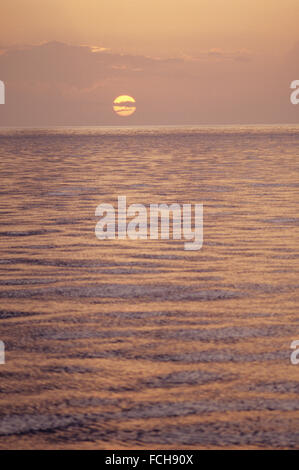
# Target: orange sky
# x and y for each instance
(156, 26)
(205, 61)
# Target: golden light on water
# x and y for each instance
(124, 105)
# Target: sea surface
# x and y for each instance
(139, 344)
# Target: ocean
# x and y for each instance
(140, 344)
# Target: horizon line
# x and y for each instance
(55, 126)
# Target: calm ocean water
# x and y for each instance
(140, 344)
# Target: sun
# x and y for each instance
(124, 105)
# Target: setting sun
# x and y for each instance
(124, 105)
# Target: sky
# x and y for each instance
(64, 62)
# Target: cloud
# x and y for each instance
(62, 84)
(56, 63)
(82, 66)
(218, 54)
